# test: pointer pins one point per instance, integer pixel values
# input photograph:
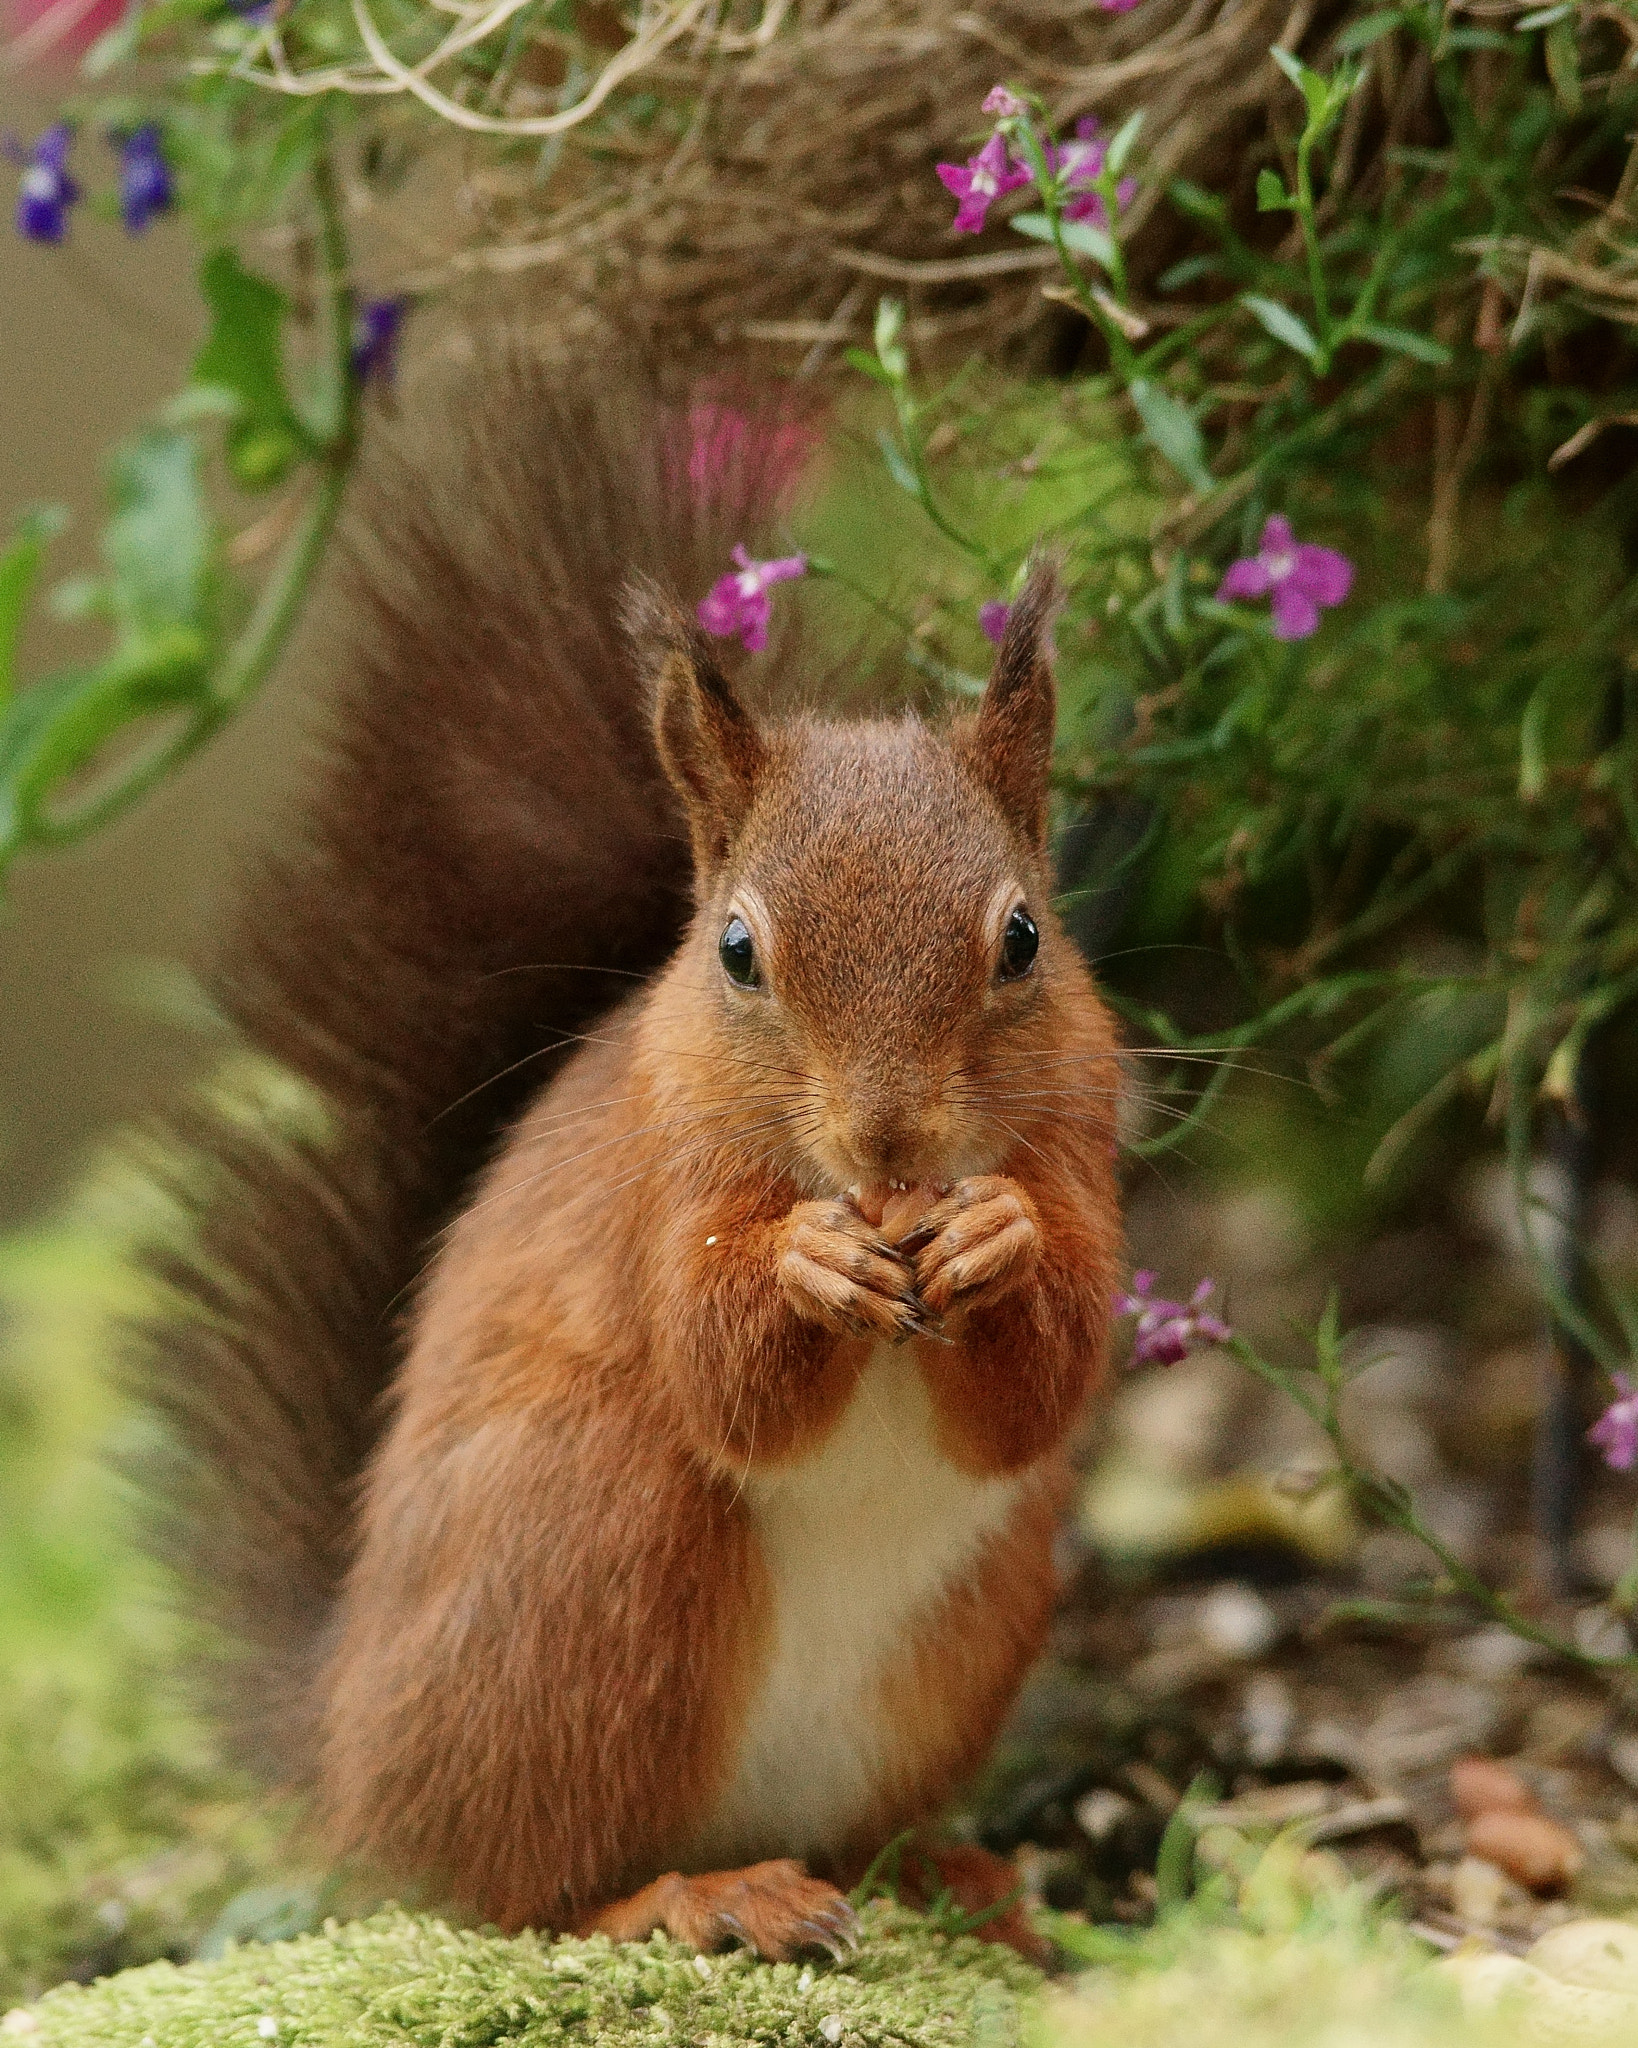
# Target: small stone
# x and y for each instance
(1098, 1813)
(831, 2027)
(702, 1966)
(1532, 1847)
(1236, 1621)
(1623, 1758)
(1478, 1784)
(267, 2027)
(1599, 1632)
(1480, 1893)
(1492, 1654)
(1268, 1718)
(1601, 1954)
(19, 2021)
(805, 1981)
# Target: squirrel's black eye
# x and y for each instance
(738, 955)
(1019, 944)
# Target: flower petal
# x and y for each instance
(1295, 614)
(1278, 539)
(1246, 578)
(992, 623)
(1322, 574)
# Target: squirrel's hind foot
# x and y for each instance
(774, 1908)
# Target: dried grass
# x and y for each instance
(761, 176)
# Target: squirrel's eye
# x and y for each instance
(738, 955)
(1019, 945)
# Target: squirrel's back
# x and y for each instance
(490, 853)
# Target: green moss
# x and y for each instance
(402, 1979)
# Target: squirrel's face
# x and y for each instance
(874, 956)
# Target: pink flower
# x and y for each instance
(1616, 1430)
(739, 602)
(762, 457)
(1301, 578)
(979, 181)
(1004, 103)
(992, 620)
(1169, 1330)
(41, 31)
(1079, 164)
(1117, 6)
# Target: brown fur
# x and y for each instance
(530, 1682)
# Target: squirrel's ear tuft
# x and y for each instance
(708, 743)
(1010, 743)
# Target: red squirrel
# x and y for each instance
(634, 1501)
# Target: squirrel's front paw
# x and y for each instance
(986, 1241)
(837, 1269)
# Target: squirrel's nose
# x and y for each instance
(888, 1129)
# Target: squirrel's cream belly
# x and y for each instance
(860, 1541)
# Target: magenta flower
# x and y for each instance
(1302, 579)
(981, 180)
(1169, 1330)
(739, 602)
(1001, 101)
(1616, 1430)
(1079, 165)
(46, 191)
(992, 619)
(1117, 6)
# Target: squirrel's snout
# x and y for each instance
(894, 1133)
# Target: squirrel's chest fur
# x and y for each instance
(860, 1541)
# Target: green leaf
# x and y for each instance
(1370, 28)
(1403, 341)
(1316, 91)
(1078, 235)
(1272, 197)
(244, 355)
(159, 544)
(1544, 17)
(862, 359)
(19, 570)
(889, 352)
(1121, 147)
(1283, 324)
(1171, 429)
(1194, 200)
(897, 467)
(1564, 64)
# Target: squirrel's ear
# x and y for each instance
(707, 741)
(1010, 743)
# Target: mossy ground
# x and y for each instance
(397, 1978)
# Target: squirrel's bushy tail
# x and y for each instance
(488, 851)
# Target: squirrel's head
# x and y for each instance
(873, 964)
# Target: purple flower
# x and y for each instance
(1169, 1330)
(1079, 165)
(1616, 1430)
(999, 100)
(980, 180)
(1117, 6)
(375, 339)
(1301, 578)
(992, 619)
(46, 191)
(144, 178)
(739, 602)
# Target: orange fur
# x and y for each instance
(663, 1302)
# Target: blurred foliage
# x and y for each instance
(121, 1836)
